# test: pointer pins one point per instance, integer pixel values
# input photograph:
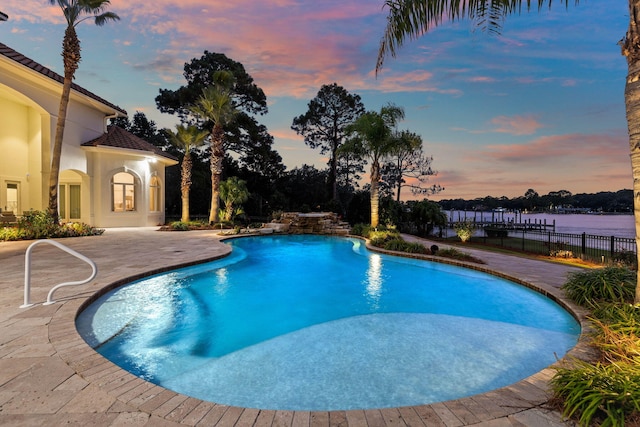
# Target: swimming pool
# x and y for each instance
(320, 323)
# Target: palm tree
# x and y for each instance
(216, 105)
(233, 191)
(414, 18)
(73, 10)
(186, 138)
(371, 137)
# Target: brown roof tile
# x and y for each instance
(119, 138)
(7, 52)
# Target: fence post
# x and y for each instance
(584, 244)
(523, 231)
(612, 247)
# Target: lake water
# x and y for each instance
(600, 225)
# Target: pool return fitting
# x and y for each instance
(27, 271)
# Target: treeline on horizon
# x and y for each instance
(556, 201)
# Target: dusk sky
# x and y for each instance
(541, 106)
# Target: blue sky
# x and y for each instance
(541, 106)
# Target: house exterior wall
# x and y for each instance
(29, 103)
(105, 164)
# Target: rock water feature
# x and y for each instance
(307, 223)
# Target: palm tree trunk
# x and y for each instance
(375, 199)
(54, 173)
(631, 50)
(71, 59)
(186, 186)
(217, 155)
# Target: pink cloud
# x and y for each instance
(599, 148)
(516, 125)
(482, 79)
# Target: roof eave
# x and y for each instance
(149, 155)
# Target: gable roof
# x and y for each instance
(116, 137)
(9, 53)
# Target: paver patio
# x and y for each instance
(49, 376)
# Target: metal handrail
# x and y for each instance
(27, 271)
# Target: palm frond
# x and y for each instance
(411, 19)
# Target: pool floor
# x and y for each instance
(366, 354)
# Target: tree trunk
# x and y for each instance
(186, 185)
(217, 155)
(375, 200)
(333, 176)
(631, 50)
(56, 156)
(71, 59)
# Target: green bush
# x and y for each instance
(458, 255)
(11, 233)
(464, 229)
(609, 284)
(617, 331)
(381, 237)
(179, 226)
(399, 245)
(40, 225)
(626, 259)
(361, 230)
(599, 394)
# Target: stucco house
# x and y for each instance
(107, 179)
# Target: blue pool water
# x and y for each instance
(321, 323)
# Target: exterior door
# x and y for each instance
(12, 197)
(70, 202)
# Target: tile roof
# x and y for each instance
(117, 137)
(7, 52)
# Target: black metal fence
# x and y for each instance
(602, 249)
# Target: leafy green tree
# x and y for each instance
(426, 215)
(413, 18)
(370, 137)
(186, 138)
(243, 135)
(233, 192)
(323, 125)
(216, 106)
(74, 11)
(407, 161)
(301, 189)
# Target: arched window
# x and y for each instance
(123, 192)
(154, 194)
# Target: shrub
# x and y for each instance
(627, 259)
(399, 245)
(458, 255)
(77, 229)
(361, 230)
(40, 225)
(464, 229)
(380, 238)
(11, 233)
(617, 331)
(179, 226)
(609, 284)
(599, 394)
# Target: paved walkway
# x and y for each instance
(49, 376)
